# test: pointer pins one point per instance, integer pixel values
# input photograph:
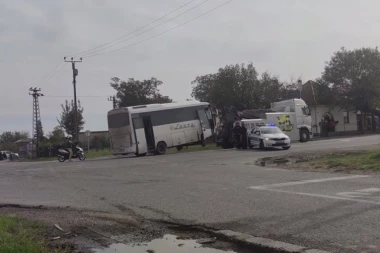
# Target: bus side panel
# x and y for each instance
(167, 133)
(191, 136)
(169, 140)
(179, 138)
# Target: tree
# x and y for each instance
(354, 77)
(57, 135)
(237, 85)
(135, 92)
(10, 137)
(40, 131)
(67, 117)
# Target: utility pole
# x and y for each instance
(113, 99)
(75, 73)
(36, 119)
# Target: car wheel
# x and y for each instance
(262, 147)
(161, 148)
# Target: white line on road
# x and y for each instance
(262, 187)
(322, 196)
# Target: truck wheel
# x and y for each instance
(161, 148)
(262, 147)
(304, 135)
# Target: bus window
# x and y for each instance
(118, 120)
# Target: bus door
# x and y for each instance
(148, 128)
(205, 124)
(141, 143)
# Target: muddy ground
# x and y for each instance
(84, 230)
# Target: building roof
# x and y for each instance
(24, 141)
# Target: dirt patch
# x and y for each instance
(352, 162)
(84, 231)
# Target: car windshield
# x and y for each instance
(270, 130)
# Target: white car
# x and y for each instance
(268, 137)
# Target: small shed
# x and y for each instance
(25, 147)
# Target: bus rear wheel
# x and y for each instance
(161, 148)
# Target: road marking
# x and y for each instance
(322, 196)
(321, 180)
(359, 193)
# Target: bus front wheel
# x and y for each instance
(161, 148)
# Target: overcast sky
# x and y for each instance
(286, 37)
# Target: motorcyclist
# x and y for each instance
(69, 146)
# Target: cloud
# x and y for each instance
(287, 38)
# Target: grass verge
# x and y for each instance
(21, 236)
(366, 160)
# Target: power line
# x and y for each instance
(162, 33)
(51, 71)
(150, 29)
(136, 30)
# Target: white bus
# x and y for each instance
(154, 128)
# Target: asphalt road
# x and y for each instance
(221, 189)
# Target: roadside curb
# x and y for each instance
(263, 244)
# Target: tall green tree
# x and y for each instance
(354, 77)
(57, 135)
(237, 85)
(67, 118)
(10, 137)
(136, 92)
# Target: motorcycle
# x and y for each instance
(63, 154)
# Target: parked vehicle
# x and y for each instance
(265, 137)
(8, 155)
(78, 152)
(154, 128)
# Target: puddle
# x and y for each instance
(167, 244)
(276, 161)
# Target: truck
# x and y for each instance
(292, 116)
